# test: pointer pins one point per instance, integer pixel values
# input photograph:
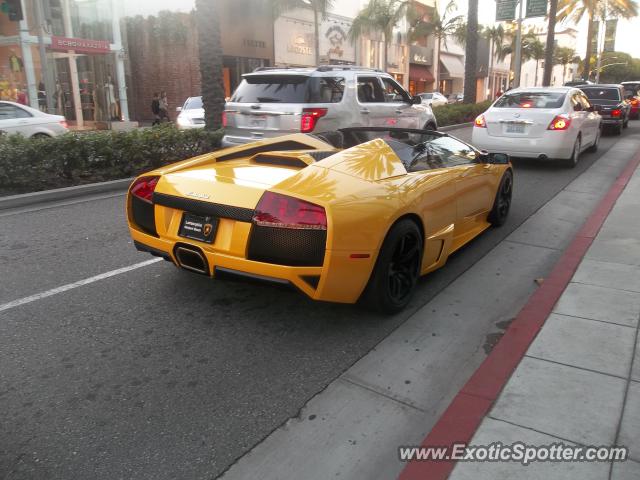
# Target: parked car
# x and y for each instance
(632, 93)
(555, 123)
(614, 108)
(191, 114)
(29, 122)
(455, 98)
(434, 99)
(277, 101)
(355, 213)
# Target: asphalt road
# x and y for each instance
(158, 373)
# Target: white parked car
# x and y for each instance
(29, 122)
(191, 114)
(556, 123)
(434, 99)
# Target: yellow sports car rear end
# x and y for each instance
(298, 210)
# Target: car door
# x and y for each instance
(372, 107)
(579, 116)
(592, 121)
(399, 106)
(14, 119)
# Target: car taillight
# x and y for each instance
(561, 122)
(143, 187)
(310, 117)
(616, 112)
(634, 102)
(224, 119)
(480, 122)
(64, 124)
(281, 211)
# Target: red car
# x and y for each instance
(632, 93)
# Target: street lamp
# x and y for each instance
(599, 69)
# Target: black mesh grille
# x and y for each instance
(204, 208)
(143, 215)
(276, 160)
(321, 154)
(291, 247)
(270, 147)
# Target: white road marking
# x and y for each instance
(71, 286)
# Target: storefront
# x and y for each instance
(421, 78)
(74, 67)
(451, 73)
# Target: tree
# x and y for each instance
(210, 53)
(564, 56)
(551, 42)
(538, 52)
(380, 16)
(320, 9)
(440, 26)
(495, 36)
(575, 10)
(471, 54)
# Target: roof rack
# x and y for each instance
(328, 68)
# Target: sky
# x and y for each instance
(625, 41)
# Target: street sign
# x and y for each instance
(536, 8)
(506, 10)
(610, 35)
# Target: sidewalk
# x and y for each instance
(579, 381)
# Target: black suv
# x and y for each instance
(610, 102)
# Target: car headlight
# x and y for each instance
(184, 121)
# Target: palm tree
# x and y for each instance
(495, 35)
(538, 52)
(564, 56)
(320, 9)
(471, 54)
(210, 53)
(575, 10)
(380, 16)
(441, 27)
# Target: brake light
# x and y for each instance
(561, 122)
(525, 105)
(64, 124)
(224, 118)
(480, 122)
(310, 117)
(616, 112)
(143, 187)
(282, 211)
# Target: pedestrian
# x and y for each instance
(164, 107)
(155, 109)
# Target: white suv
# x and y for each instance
(277, 101)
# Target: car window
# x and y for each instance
(8, 111)
(289, 89)
(370, 90)
(443, 152)
(602, 93)
(531, 100)
(393, 92)
(427, 96)
(193, 103)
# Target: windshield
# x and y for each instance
(193, 103)
(602, 93)
(427, 96)
(289, 89)
(531, 100)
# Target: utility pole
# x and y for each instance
(518, 57)
(602, 31)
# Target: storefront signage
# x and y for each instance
(505, 10)
(250, 42)
(300, 46)
(80, 45)
(419, 55)
(536, 8)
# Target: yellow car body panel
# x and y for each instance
(364, 191)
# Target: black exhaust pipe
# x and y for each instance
(192, 259)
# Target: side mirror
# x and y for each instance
(591, 109)
(494, 158)
(178, 109)
(597, 108)
(416, 100)
(577, 108)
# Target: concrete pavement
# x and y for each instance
(579, 382)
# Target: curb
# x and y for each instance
(58, 194)
(468, 408)
(458, 126)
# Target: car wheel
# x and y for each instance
(397, 269)
(502, 203)
(430, 126)
(40, 135)
(575, 156)
(594, 147)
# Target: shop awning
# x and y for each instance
(420, 73)
(452, 66)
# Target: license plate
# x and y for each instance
(515, 127)
(257, 122)
(198, 227)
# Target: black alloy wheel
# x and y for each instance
(502, 203)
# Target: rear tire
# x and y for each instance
(502, 203)
(395, 275)
(572, 161)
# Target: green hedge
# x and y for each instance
(28, 165)
(456, 113)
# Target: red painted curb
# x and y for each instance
(462, 417)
